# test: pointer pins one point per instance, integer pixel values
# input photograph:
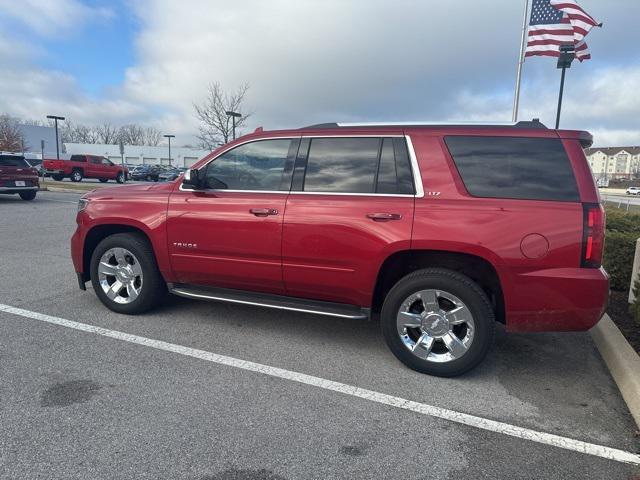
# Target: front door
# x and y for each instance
(230, 234)
(352, 208)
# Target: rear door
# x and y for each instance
(351, 206)
(230, 234)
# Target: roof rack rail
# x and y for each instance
(535, 123)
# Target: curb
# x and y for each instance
(622, 360)
(65, 190)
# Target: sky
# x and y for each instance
(309, 61)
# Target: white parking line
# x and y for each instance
(381, 398)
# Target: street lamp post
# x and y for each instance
(169, 137)
(55, 118)
(567, 54)
(233, 116)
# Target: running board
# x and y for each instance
(295, 304)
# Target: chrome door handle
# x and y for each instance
(383, 216)
(263, 212)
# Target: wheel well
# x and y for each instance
(95, 236)
(402, 263)
(80, 169)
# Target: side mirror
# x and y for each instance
(192, 180)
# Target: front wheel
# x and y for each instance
(28, 195)
(125, 275)
(104, 180)
(120, 178)
(438, 321)
(57, 178)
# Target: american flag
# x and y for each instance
(558, 22)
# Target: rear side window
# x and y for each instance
(358, 165)
(78, 158)
(514, 167)
(13, 161)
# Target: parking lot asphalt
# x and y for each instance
(78, 405)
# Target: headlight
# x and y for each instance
(82, 204)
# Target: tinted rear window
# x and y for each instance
(13, 161)
(513, 167)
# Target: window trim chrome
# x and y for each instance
(415, 170)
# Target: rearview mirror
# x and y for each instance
(192, 180)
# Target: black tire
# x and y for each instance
(454, 283)
(57, 178)
(104, 180)
(28, 195)
(120, 177)
(76, 175)
(148, 178)
(154, 287)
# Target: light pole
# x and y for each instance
(55, 118)
(233, 116)
(567, 54)
(169, 137)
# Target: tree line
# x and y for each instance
(105, 133)
(12, 138)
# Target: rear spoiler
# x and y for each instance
(585, 138)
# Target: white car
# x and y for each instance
(633, 191)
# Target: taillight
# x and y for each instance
(593, 235)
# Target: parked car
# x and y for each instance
(85, 166)
(171, 174)
(440, 230)
(146, 172)
(633, 191)
(17, 176)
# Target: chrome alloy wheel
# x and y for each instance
(120, 275)
(435, 326)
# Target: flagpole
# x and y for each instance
(516, 97)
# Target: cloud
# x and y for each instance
(331, 60)
(53, 17)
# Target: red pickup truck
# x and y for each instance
(85, 166)
(437, 230)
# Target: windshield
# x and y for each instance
(13, 161)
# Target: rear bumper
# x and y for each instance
(556, 300)
(18, 189)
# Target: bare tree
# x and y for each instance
(216, 126)
(131, 134)
(107, 134)
(11, 138)
(152, 136)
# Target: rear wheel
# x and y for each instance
(125, 275)
(76, 176)
(438, 321)
(28, 195)
(104, 180)
(148, 178)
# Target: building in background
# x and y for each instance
(614, 162)
(139, 154)
(34, 135)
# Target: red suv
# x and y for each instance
(17, 176)
(441, 230)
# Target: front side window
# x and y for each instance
(106, 161)
(252, 166)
